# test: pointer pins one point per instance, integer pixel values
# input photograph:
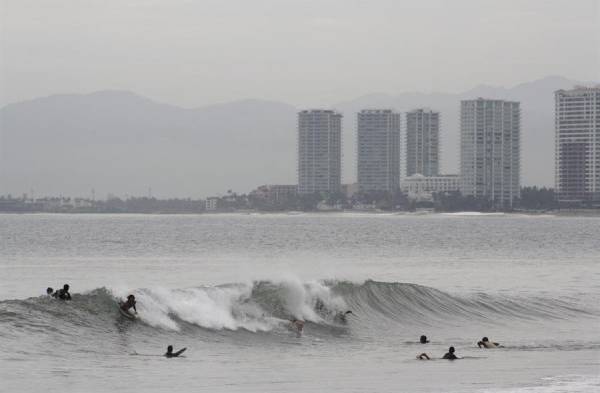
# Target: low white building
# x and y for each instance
(212, 204)
(421, 188)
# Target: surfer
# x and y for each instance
(342, 316)
(319, 305)
(423, 339)
(63, 294)
(130, 303)
(171, 354)
(49, 292)
(298, 325)
(449, 355)
(486, 343)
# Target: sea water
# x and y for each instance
(226, 285)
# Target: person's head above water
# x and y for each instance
(170, 349)
(130, 297)
(485, 339)
(451, 349)
(423, 339)
(66, 287)
(49, 290)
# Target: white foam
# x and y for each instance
(229, 307)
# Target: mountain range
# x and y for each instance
(119, 142)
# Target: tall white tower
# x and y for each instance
(577, 123)
(490, 150)
(319, 151)
(378, 144)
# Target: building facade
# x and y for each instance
(378, 148)
(421, 188)
(319, 151)
(577, 159)
(422, 142)
(490, 150)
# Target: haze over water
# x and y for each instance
(224, 286)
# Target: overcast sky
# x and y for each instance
(306, 53)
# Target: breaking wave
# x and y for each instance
(267, 306)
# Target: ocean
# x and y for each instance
(226, 285)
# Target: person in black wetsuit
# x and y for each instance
(423, 339)
(50, 291)
(63, 294)
(130, 303)
(449, 355)
(171, 354)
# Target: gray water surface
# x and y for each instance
(225, 285)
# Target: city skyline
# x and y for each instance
(163, 190)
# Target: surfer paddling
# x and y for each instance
(486, 343)
(171, 354)
(130, 303)
(62, 294)
(448, 356)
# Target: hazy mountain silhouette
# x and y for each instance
(122, 143)
(119, 142)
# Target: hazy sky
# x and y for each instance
(306, 53)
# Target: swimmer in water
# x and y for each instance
(130, 303)
(449, 355)
(423, 339)
(486, 343)
(171, 354)
(50, 292)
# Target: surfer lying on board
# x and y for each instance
(130, 303)
(486, 343)
(171, 354)
(62, 294)
(449, 355)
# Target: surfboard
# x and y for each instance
(126, 314)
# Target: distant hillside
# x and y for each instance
(119, 142)
(122, 143)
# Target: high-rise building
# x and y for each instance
(378, 143)
(577, 123)
(490, 150)
(422, 142)
(319, 151)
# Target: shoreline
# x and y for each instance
(418, 212)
